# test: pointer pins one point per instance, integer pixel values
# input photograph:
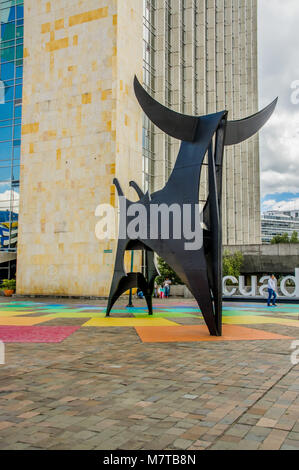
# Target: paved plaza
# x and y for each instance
(73, 379)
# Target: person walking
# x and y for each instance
(272, 291)
(167, 284)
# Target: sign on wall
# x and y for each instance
(259, 287)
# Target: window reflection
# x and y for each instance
(2, 92)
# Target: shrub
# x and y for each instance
(232, 263)
(166, 271)
(9, 284)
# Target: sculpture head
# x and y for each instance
(183, 127)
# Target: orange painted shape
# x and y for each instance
(186, 334)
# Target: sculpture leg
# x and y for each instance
(119, 287)
(216, 252)
(127, 282)
(147, 291)
(150, 274)
(149, 302)
(186, 266)
(111, 302)
(118, 274)
(199, 286)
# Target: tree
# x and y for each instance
(166, 271)
(232, 263)
(284, 238)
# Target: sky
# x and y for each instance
(278, 50)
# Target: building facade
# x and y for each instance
(82, 126)
(199, 58)
(279, 223)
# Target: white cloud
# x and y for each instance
(289, 205)
(268, 205)
(280, 154)
(278, 69)
(5, 200)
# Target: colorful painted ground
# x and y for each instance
(42, 322)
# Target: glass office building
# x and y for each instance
(278, 223)
(11, 82)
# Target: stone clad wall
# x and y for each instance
(81, 127)
(261, 259)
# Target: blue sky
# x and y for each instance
(278, 39)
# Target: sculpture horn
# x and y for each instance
(176, 125)
(238, 131)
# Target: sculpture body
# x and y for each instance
(201, 268)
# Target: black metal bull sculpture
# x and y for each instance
(201, 268)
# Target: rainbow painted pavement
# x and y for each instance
(41, 322)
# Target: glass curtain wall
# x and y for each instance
(11, 84)
(149, 39)
(168, 90)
